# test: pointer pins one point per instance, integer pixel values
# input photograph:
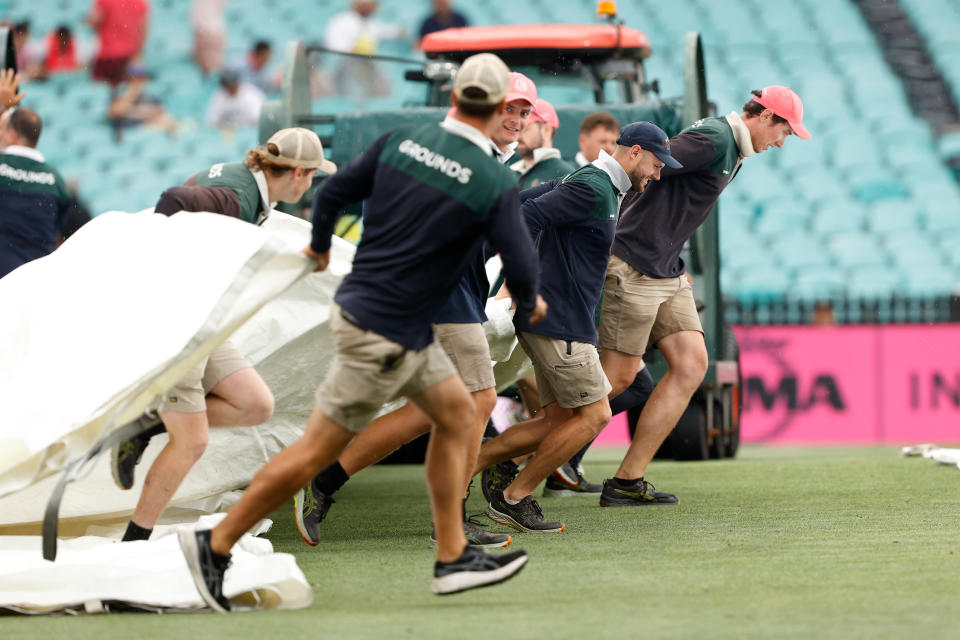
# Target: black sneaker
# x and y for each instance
(206, 567)
(497, 478)
(310, 507)
(125, 456)
(523, 516)
(639, 493)
(475, 568)
(477, 537)
(569, 481)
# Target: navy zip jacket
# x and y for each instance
(573, 221)
(432, 198)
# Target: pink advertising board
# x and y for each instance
(851, 384)
(866, 384)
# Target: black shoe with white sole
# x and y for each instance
(523, 516)
(206, 567)
(475, 568)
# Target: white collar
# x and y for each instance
(503, 156)
(264, 190)
(612, 168)
(741, 134)
(26, 152)
(468, 132)
(581, 159)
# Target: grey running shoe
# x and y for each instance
(569, 481)
(475, 568)
(310, 507)
(497, 478)
(639, 493)
(125, 456)
(523, 516)
(477, 537)
(206, 567)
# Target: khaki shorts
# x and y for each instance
(369, 370)
(639, 310)
(466, 346)
(188, 395)
(568, 373)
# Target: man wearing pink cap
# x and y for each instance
(539, 160)
(521, 104)
(648, 300)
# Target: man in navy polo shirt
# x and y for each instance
(433, 194)
(573, 221)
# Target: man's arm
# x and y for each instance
(521, 268)
(691, 149)
(537, 191)
(351, 183)
(569, 203)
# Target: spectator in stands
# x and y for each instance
(121, 27)
(33, 197)
(10, 96)
(255, 68)
(443, 17)
(540, 161)
(598, 131)
(131, 106)
(209, 34)
(235, 103)
(64, 52)
(28, 52)
(354, 31)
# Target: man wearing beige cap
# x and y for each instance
(224, 390)
(433, 193)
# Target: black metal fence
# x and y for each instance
(892, 310)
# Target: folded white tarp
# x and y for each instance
(96, 575)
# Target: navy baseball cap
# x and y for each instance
(650, 137)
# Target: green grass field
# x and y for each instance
(778, 543)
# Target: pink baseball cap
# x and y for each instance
(544, 112)
(786, 104)
(522, 88)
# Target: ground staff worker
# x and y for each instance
(433, 194)
(647, 299)
(224, 390)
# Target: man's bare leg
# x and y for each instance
(188, 440)
(485, 400)
(286, 473)
(620, 369)
(242, 399)
(558, 445)
(686, 356)
(521, 438)
(452, 411)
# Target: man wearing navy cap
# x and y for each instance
(648, 300)
(572, 221)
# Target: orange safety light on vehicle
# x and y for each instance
(607, 8)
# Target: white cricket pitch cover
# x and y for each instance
(114, 317)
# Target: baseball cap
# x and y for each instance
(544, 112)
(486, 72)
(298, 147)
(651, 138)
(522, 88)
(786, 104)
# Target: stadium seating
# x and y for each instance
(842, 214)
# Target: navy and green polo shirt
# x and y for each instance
(655, 225)
(33, 205)
(236, 177)
(433, 194)
(547, 165)
(573, 221)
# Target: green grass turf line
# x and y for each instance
(778, 543)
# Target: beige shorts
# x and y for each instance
(466, 346)
(188, 395)
(639, 310)
(369, 370)
(568, 373)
